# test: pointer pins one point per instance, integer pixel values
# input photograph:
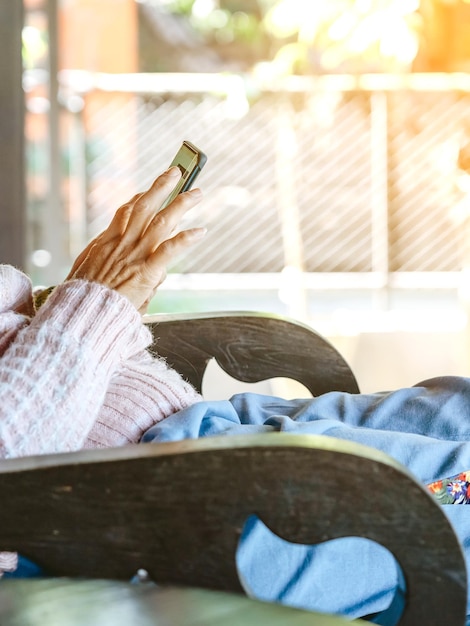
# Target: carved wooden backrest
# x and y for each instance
(250, 347)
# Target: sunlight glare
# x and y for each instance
(289, 16)
(398, 42)
(203, 8)
(342, 27)
(357, 27)
(404, 7)
(363, 6)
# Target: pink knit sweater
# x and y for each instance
(77, 373)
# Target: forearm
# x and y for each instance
(142, 392)
(55, 372)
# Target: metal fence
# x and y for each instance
(350, 181)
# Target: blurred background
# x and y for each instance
(337, 187)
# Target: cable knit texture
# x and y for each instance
(77, 373)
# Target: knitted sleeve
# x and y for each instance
(142, 392)
(16, 304)
(77, 374)
(56, 369)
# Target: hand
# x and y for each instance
(132, 254)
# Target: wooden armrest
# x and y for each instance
(250, 347)
(167, 508)
(105, 602)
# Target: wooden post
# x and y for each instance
(12, 192)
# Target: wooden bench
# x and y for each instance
(177, 509)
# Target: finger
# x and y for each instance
(166, 221)
(148, 204)
(154, 271)
(79, 260)
(120, 220)
(113, 234)
(92, 264)
(161, 227)
(115, 229)
(82, 256)
(161, 258)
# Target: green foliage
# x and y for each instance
(181, 6)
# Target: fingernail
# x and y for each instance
(198, 233)
(195, 192)
(173, 171)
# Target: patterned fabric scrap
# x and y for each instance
(452, 490)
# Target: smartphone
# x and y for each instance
(190, 160)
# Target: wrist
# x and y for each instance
(97, 316)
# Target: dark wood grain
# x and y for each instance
(65, 602)
(250, 347)
(177, 510)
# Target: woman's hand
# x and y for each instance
(132, 254)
